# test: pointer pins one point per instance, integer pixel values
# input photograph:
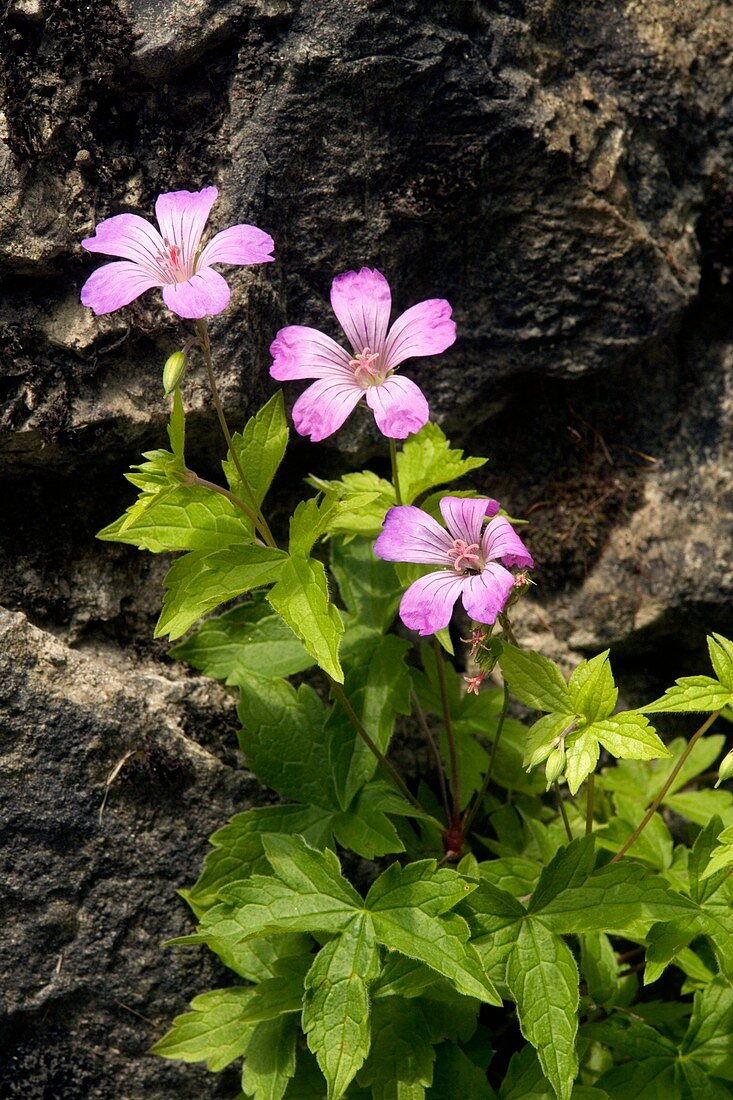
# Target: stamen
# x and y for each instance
(365, 361)
(467, 557)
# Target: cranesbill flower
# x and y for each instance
(172, 258)
(362, 302)
(469, 554)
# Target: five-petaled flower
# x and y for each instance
(469, 553)
(362, 302)
(172, 258)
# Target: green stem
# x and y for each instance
(563, 812)
(590, 792)
(259, 520)
(395, 472)
(420, 713)
(194, 479)
(481, 793)
(669, 781)
(384, 762)
(455, 774)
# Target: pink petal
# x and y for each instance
(399, 407)
(424, 329)
(240, 244)
(301, 352)
(485, 595)
(464, 517)
(409, 534)
(362, 302)
(502, 543)
(132, 238)
(322, 408)
(182, 216)
(203, 295)
(115, 285)
(427, 605)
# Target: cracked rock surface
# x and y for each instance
(558, 170)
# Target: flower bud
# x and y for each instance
(173, 371)
(555, 766)
(725, 770)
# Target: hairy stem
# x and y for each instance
(420, 714)
(384, 762)
(670, 780)
(590, 792)
(481, 793)
(194, 479)
(259, 520)
(395, 472)
(455, 774)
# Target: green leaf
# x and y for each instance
(405, 903)
(238, 851)
(200, 581)
(283, 740)
(427, 459)
(628, 735)
(456, 1075)
(260, 449)
(365, 828)
(592, 688)
(301, 598)
(599, 967)
(535, 681)
(543, 980)
(721, 657)
(400, 1064)
(213, 1032)
(308, 523)
(377, 685)
(270, 1059)
(247, 640)
(369, 586)
(308, 870)
(694, 694)
(336, 1007)
(180, 517)
(363, 498)
(581, 757)
(708, 1039)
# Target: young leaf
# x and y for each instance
(260, 449)
(535, 681)
(248, 640)
(270, 1059)
(200, 581)
(213, 1031)
(308, 523)
(300, 597)
(592, 688)
(543, 980)
(581, 757)
(363, 500)
(628, 735)
(336, 1007)
(691, 694)
(721, 657)
(427, 459)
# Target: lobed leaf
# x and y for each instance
(300, 597)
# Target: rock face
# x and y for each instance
(558, 169)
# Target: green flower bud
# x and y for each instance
(725, 770)
(173, 371)
(555, 766)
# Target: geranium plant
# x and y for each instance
(518, 891)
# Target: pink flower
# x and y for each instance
(170, 258)
(468, 552)
(362, 303)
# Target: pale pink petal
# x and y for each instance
(301, 352)
(322, 408)
(132, 238)
(424, 329)
(485, 594)
(240, 244)
(182, 216)
(399, 407)
(427, 605)
(115, 285)
(203, 295)
(502, 543)
(464, 517)
(409, 534)
(362, 302)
